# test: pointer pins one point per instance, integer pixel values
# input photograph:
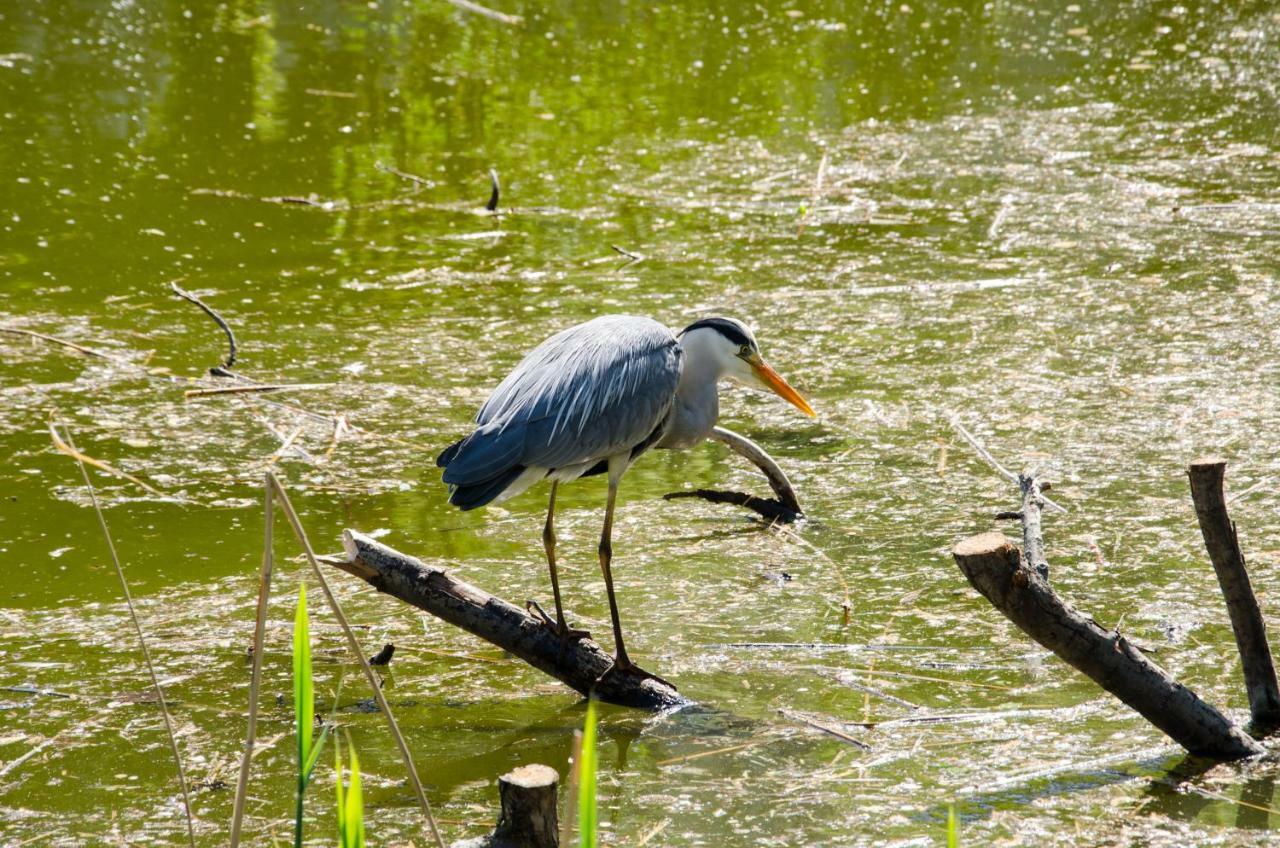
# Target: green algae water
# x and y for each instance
(1056, 223)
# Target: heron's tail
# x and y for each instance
(482, 466)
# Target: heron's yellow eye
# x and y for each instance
(744, 351)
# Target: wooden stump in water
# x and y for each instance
(528, 818)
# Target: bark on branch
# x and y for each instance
(581, 665)
(995, 568)
(1207, 476)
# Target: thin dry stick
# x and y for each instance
(816, 194)
(84, 459)
(255, 389)
(354, 644)
(142, 639)
(570, 820)
(255, 681)
(491, 14)
(404, 175)
(87, 351)
(220, 321)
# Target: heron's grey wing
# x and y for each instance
(590, 392)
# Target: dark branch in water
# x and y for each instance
(634, 257)
(784, 507)
(764, 507)
(580, 664)
(224, 370)
(492, 205)
(1207, 478)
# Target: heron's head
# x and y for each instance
(733, 347)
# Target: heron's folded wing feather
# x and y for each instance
(593, 391)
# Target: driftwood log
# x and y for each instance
(581, 664)
(1017, 585)
(1207, 477)
(784, 506)
(528, 818)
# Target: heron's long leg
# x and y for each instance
(549, 542)
(606, 558)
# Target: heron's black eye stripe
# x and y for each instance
(729, 329)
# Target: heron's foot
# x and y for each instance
(623, 665)
(566, 633)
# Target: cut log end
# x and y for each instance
(532, 776)
(991, 544)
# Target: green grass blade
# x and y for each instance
(337, 770)
(953, 827)
(310, 768)
(303, 697)
(354, 814)
(587, 781)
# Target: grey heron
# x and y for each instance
(591, 400)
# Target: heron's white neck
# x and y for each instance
(697, 402)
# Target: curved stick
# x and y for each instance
(225, 369)
(778, 481)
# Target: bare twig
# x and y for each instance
(255, 680)
(224, 370)
(87, 351)
(370, 675)
(404, 175)
(137, 626)
(484, 12)
(816, 194)
(991, 460)
(71, 451)
(631, 257)
(263, 388)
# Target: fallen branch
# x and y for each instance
(785, 507)
(225, 369)
(995, 568)
(1220, 539)
(581, 664)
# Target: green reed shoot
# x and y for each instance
(304, 709)
(587, 781)
(953, 827)
(350, 802)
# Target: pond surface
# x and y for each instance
(1058, 225)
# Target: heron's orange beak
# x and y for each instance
(774, 380)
